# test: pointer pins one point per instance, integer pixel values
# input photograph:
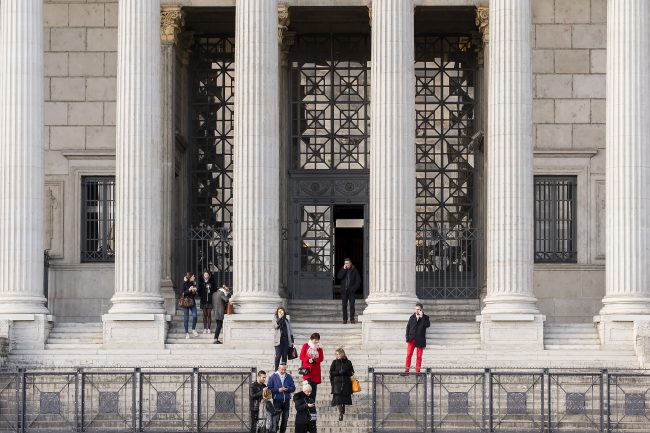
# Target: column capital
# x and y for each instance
(483, 22)
(172, 21)
(369, 6)
(284, 19)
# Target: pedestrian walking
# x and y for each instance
(311, 355)
(341, 372)
(350, 282)
(305, 410)
(220, 300)
(416, 337)
(267, 421)
(282, 337)
(282, 386)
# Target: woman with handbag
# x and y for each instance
(282, 337)
(311, 356)
(341, 372)
(188, 303)
(207, 288)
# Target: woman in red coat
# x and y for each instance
(311, 356)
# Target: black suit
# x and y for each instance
(350, 282)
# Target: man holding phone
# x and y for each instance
(282, 386)
(350, 282)
(416, 337)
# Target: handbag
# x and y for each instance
(185, 302)
(356, 386)
(292, 353)
(230, 308)
(304, 370)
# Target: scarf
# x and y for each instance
(312, 352)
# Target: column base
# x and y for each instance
(169, 296)
(249, 330)
(383, 329)
(12, 305)
(509, 304)
(512, 331)
(29, 331)
(390, 305)
(256, 305)
(619, 331)
(625, 305)
(141, 330)
(137, 304)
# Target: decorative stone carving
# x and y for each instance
(284, 20)
(53, 219)
(483, 22)
(172, 21)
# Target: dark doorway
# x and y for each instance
(349, 237)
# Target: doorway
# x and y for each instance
(349, 242)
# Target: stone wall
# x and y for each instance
(569, 62)
(80, 92)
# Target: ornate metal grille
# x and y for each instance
(97, 219)
(445, 167)
(316, 235)
(329, 100)
(211, 170)
(555, 219)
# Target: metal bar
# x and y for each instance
(198, 400)
(80, 392)
(23, 400)
(138, 425)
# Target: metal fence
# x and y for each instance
(132, 400)
(510, 401)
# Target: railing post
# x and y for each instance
(543, 427)
(79, 406)
(373, 400)
(427, 379)
(604, 402)
(195, 377)
(198, 400)
(550, 407)
(23, 399)
(137, 400)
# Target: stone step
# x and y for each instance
(72, 340)
(571, 346)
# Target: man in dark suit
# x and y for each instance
(416, 337)
(350, 282)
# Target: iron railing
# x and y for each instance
(125, 400)
(209, 249)
(489, 401)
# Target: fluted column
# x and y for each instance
(392, 159)
(628, 158)
(256, 195)
(510, 161)
(21, 157)
(138, 156)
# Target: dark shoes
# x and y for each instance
(345, 321)
(340, 417)
(353, 321)
(217, 342)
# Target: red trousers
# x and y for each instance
(409, 356)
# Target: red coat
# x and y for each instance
(314, 374)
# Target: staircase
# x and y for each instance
(72, 336)
(176, 332)
(571, 336)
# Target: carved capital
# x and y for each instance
(287, 41)
(283, 21)
(483, 22)
(172, 21)
(369, 6)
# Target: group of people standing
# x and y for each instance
(213, 301)
(270, 402)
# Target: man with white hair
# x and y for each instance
(305, 410)
(282, 386)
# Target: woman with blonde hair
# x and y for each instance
(341, 372)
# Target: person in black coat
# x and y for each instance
(350, 282)
(255, 394)
(341, 372)
(416, 337)
(207, 287)
(305, 411)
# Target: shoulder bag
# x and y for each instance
(292, 353)
(356, 386)
(185, 302)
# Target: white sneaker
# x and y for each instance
(208, 331)
(187, 336)
(194, 333)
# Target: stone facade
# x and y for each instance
(568, 54)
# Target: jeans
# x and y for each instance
(281, 353)
(285, 406)
(186, 316)
(409, 356)
(347, 296)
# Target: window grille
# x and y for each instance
(98, 219)
(555, 219)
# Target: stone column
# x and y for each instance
(172, 20)
(627, 296)
(510, 314)
(21, 165)
(138, 179)
(392, 164)
(256, 205)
